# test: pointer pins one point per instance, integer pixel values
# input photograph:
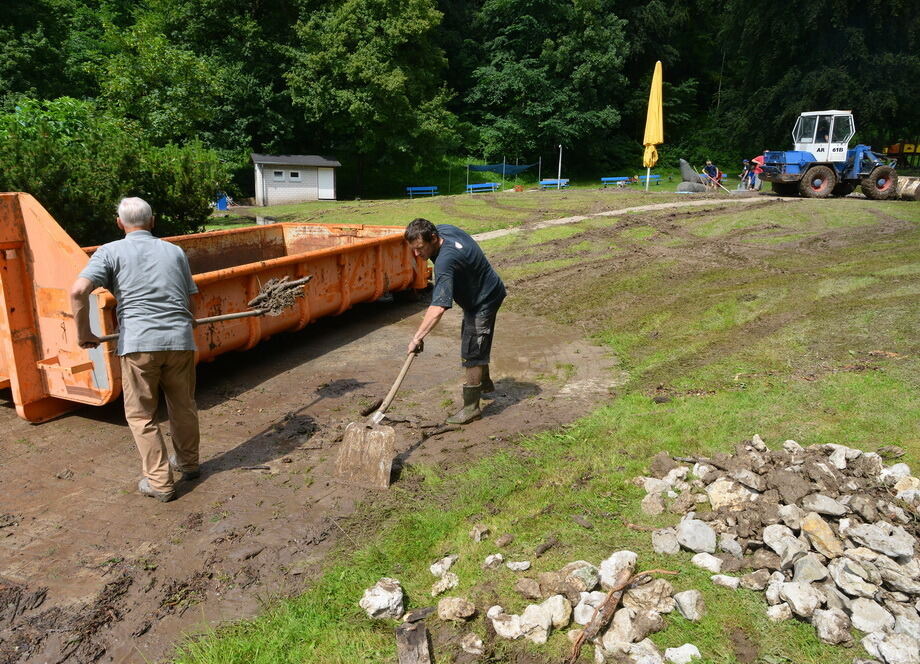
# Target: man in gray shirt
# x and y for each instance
(152, 284)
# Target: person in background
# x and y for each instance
(712, 173)
(757, 163)
(152, 284)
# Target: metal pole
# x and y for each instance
(648, 174)
(539, 169)
(467, 178)
(503, 171)
(559, 172)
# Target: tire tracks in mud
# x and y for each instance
(694, 254)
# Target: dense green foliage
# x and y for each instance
(393, 88)
(80, 162)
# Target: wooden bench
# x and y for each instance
(619, 181)
(655, 179)
(482, 186)
(421, 191)
(554, 184)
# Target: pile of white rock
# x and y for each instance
(568, 597)
(829, 531)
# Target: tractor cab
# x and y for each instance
(825, 134)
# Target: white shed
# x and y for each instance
(293, 178)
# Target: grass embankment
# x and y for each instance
(789, 321)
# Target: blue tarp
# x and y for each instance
(503, 169)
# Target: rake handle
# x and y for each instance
(207, 320)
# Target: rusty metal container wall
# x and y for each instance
(49, 374)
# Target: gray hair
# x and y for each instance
(135, 213)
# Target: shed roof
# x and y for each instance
(294, 159)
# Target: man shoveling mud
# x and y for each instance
(462, 275)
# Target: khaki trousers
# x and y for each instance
(143, 377)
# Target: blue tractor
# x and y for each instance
(822, 163)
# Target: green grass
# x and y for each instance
(475, 213)
(815, 343)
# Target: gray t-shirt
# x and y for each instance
(463, 274)
(152, 284)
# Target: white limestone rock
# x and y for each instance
(536, 623)
(664, 540)
(616, 563)
(559, 609)
(472, 644)
(585, 609)
(493, 561)
(708, 562)
(726, 493)
(726, 581)
(697, 536)
(507, 626)
(446, 582)
(682, 655)
(869, 616)
(803, 598)
(690, 604)
(832, 626)
(440, 567)
(456, 609)
(383, 600)
(779, 612)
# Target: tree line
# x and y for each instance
(169, 97)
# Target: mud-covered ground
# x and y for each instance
(92, 571)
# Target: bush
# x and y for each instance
(79, 162)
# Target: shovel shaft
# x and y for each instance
(388, 399)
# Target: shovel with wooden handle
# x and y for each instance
(368, 448)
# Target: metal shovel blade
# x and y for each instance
(366, 455)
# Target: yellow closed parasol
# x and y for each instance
(654, 124)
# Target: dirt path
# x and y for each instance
(92, 571)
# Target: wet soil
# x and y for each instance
(90, 570)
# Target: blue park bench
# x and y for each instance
(554, 184)
(655, 179)
(482, 186)
(420, 191)
(615, 180)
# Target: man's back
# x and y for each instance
(472, 281)
(152, 284)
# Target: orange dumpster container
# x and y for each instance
(49, 374)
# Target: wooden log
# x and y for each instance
(412, 644)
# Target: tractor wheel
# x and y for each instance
(784, 188)
(818, 182)
(843, 189)
(881, 184)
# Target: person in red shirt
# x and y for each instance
(757, 163)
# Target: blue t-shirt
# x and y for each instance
(152, 284)
(462, 274)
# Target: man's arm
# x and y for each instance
(79, 303)
(432, 316)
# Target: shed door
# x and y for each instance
(326, 183)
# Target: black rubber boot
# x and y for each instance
(470, 410)
(487, 385)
